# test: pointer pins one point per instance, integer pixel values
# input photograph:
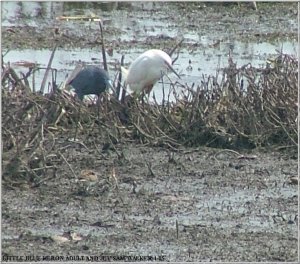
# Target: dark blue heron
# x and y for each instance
(90, 80)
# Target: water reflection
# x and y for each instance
(135, 23)
(12, 11)
(23, 13)
(190, 67)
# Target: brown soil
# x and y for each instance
(105, 201)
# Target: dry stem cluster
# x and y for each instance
(242, 108)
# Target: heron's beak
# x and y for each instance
(171, 68)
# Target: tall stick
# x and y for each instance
(120, 80)
(103, 47)
(48, 69)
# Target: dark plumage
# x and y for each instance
(90, 80)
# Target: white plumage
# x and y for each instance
(147, 69)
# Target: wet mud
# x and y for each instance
(190, 205)
(126, 199)
(140, 25)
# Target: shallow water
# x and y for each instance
(135, 23)
(203, 62)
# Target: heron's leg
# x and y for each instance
(148, 89)
(145, 92)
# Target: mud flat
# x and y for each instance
(98, 198)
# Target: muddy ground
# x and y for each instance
(190, 204)
(220, 22)
(195, 204)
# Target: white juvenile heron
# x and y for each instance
(147, 69)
